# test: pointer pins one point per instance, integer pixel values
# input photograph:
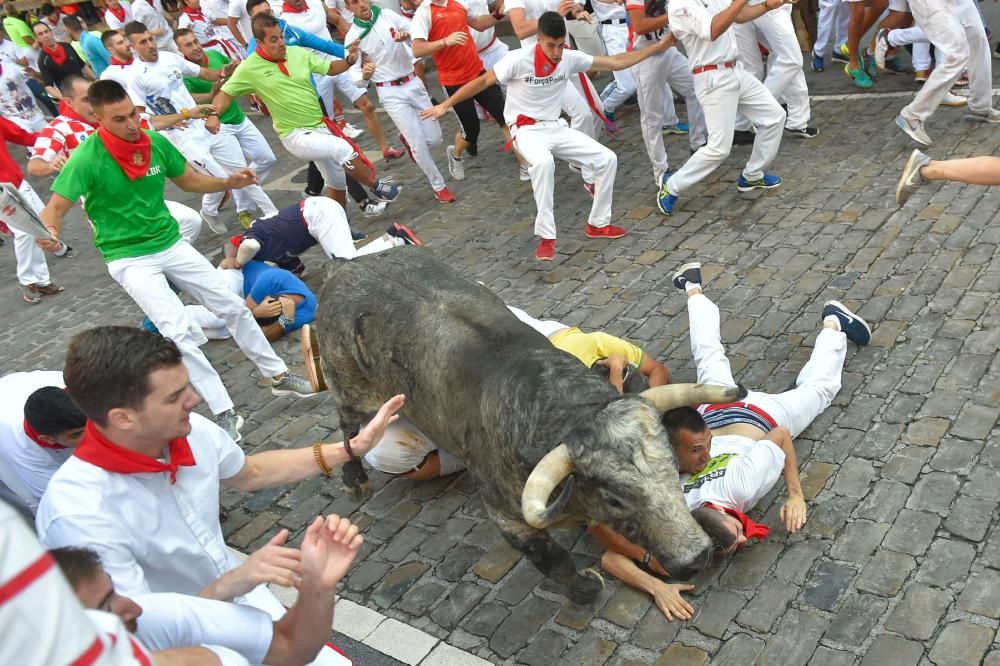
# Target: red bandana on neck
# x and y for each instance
(98, 450)
(123, 63)
(752, 529)
(66, 110)
(195, 14)
(288, 8)
(543, 66)
(118, 13)
(280, 63)
(133, 158)
(58, 54)
(35, 437)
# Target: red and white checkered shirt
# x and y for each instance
(60, 137)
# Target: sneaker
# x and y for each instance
(402, 231)
(743, 137)
(868, 62)
(921, 75)
(546, 250)
(392, 153)
(455, 165)
(351, 132)
(991, 115)
(915, 129)
(66, 252)
(245, 218)
(292, 384)
(306, 193)
(149, 326)
(841, 53)
(30, 294)
(859, 76)
(679, 128)
(766, 183)
(358, 236)
(607, 231)
(231, 422)
(854, 327)
(896, 66)
(805, 132)
(963, 80)
(818, 64)
(590, 188)
(951, 99)
(444, 195)
(881, 47)
(610, 115)
(214, 223)
(406, 145)
(384, 190)
(688, 273)
(911, 177)
(524, 173)
(664, 199)
(373, 208)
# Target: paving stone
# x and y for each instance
(420, 597)
(458, 561)
(904, 465)
(682, 655)
(459, 602)
(814, 478)
(591, 650)
(716, 612)
(982, 594)
(497, 561)
(912, 532)
(797, 636)
(545, 649)
(854, 478)
(878, 441)
(740, 649)
(797, 560)
(975, 421)
(654, 631)
(970, 518)
(946, 562)
(858, 540)
(893, 650)
(885, 574)
(484, 620)
(576, 616)
(926, 431)
(746, 571)
(366, 574)
(830, 515)
(626, 607)
(857, 617)
(984, 482)
(770, 603)
(826, 584)
(401, 641)
(523, 622)
(934, 492)
(962, 644)
(446, 537)
(918, 614)
(398, 582)
(446, 655)
(524, 580)
(404, 543)
(955, 455)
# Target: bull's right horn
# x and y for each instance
(671, 396)
(548, 473)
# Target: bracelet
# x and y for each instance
(185, 114)
(318, 455)
(646, 558)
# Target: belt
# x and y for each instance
(618, 21)
(492, 42)
(709, 68)
(396, 82)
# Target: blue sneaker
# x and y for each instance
(854, 327)
(664, 199)
(148, 325)
(610, 115)
(766, 183)
(679, 128)
(818, 63)
(358, 236)
(385, 191)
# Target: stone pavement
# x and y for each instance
(900, 559)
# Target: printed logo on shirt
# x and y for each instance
(715, 469)
(153, 170)
(532, 80)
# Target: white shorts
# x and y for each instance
(401, 449)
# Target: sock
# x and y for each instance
(834, 319)
(691, 286)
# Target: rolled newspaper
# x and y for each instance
(18, 214)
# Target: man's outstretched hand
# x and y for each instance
(793, 514)
(670, 602)
(373, 431)
(328, 549)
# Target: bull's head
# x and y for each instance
(622, 471)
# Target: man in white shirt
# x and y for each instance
(118, 14)
(147, 13)
(536, 79)
(39, 426)
(382, 34)
(157, 87)
(167, 620)
(123, 60)
(143, 486)
(238, 22)
(17, 103)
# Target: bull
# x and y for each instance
(524, 417)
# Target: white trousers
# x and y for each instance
(785, 78)
(574, 102)
(915, 35)
(329, 152)
(254, 147)
(586, 37)
(623, 86)
(723, 93)
(654, 78)
(327, 223)
(834, 18)
(325, 85)
(404, 104)
(956, 30)
(31, 266)
(815, 387)
(188, 220)
(540, 144)
(145, 280)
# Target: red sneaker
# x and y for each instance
(609, 231)
(444, 195)
(546, 249)
(391, 153)
(402, 140)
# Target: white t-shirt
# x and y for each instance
(154, 19)
(215, 10)
(238, 11)
(393, 59)
(32, 465)
(536, 97)
(11, 52)
(740, 472)
(17, 104)
(112, 20)
(479, 8)
(122, 74)
(691, 22)
(605, 11)
(159, 86)
(312, 20)
(152, 536)
(341, 8)
(532, 10)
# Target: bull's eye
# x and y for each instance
(612, 500)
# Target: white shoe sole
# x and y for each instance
(903, 188)
(850, 313)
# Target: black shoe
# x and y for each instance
(398, 230)
(472, 149)
(805, 132)
(631, 101)
(358, 236)
(743, 138)
(688, 273)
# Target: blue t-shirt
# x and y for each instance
(97, 56)
(261, 281)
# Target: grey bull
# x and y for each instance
(525, 418)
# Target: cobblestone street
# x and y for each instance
(899, 562)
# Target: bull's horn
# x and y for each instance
(678, 395)
(548, 473)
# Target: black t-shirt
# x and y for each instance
(52, 72)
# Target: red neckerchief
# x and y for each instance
(280, 63)
(35, 437)
(752, 529)
(195, 14)
(118, 13)
(58, 54)
(66, 110)
(288, 8)
(122, 63)
(133, 158)
(543, 66)
(98, 450)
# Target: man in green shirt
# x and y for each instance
(234, 121)
(282, 77)
(121, 171)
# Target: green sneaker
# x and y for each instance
(246, 219)
(860, 76)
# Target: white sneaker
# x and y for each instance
(881, 48)
(213, 222)
(525, 174)
(915, 129)
(991, 115)
(951, 99)
(350, 131)
(374, 208)
(911, 177)
(455, 166)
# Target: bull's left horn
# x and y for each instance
(548, 473)
(671, 396)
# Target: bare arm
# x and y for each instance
(234, 27)
(523, 27)
(655, 372)
(630, 58)
(194, 181)
(221, 102)
(468, 91)
(793, 511)
(482, 23)
(52, 217)
(666, 595)
(186, 656)
(642, 24)
(422, 48)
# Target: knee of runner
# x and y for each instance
(545, 164)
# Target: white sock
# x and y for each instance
(691, 286)
(834, 319)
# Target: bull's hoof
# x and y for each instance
(355, 480)
(586, 588)
(360, 492)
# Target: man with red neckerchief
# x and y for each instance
(142, 488)
(117, 14)
(193, 19)
(57, 60)
(123, 62)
